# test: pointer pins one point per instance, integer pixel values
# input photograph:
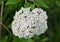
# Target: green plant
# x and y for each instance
(52, 7)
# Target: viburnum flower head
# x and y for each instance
(27, 23)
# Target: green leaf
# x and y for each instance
(30, 40)
(0, 2)
(27, 4)
(58, 2)
(57, 35)
(26, 40)
(41, 3)
(32, 6)
(48, 1)
(45, 39)
(5, 39)
(10, 2)
(16, 39)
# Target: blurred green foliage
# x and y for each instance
(52, 7)
(41, 3)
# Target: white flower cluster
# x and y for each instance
(27, 23)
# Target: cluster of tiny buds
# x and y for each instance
(27, 23)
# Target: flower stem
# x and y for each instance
(2, 8)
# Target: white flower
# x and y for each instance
(27, 23)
